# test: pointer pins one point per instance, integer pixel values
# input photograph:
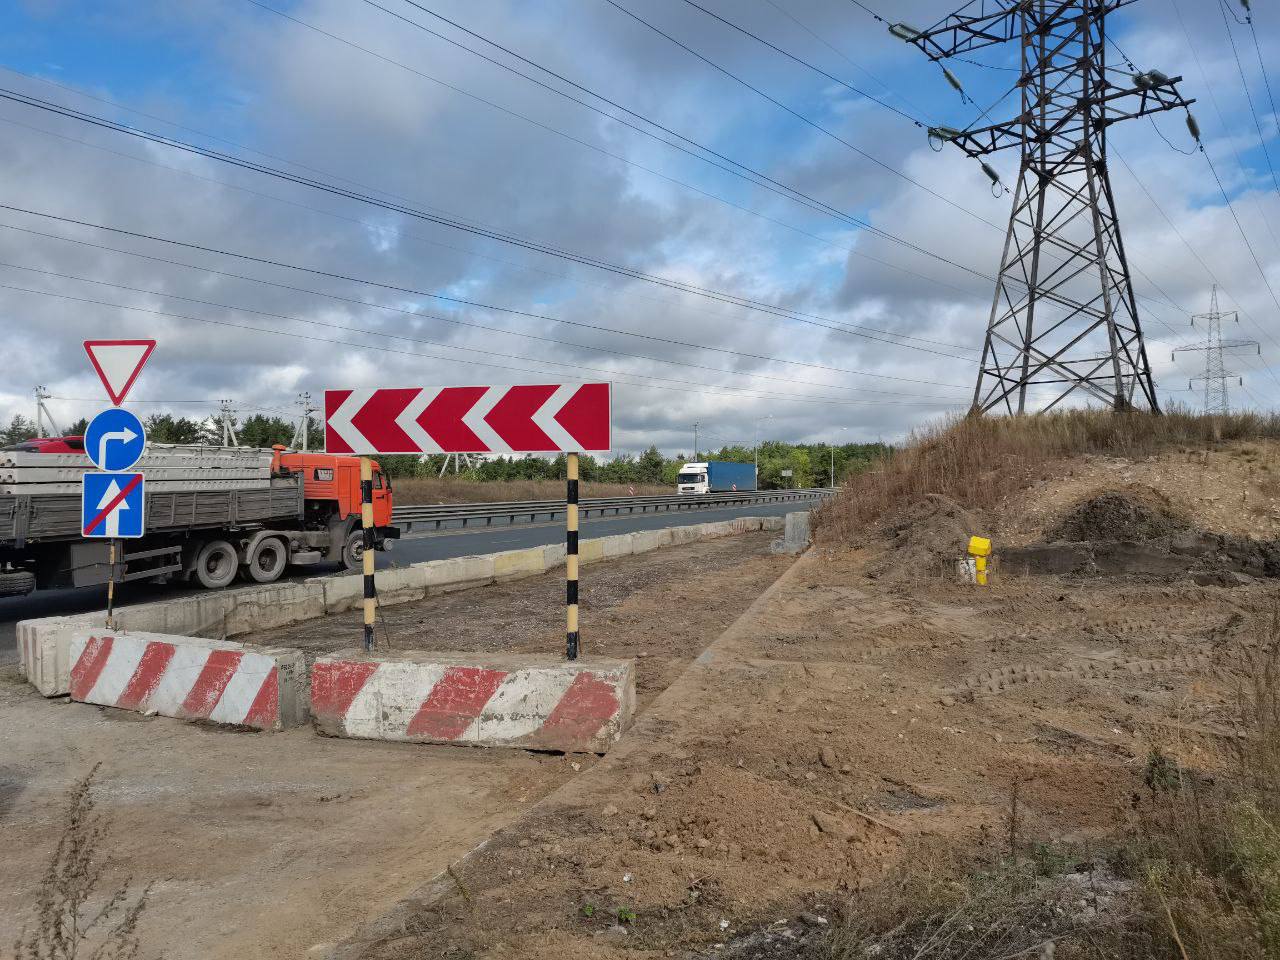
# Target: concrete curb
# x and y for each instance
(526, 701)
(650, 727)
(228, 613)
(190, 678)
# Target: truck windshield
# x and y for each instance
(691, 478)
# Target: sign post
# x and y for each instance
(549, 418)
(571, 557)
(366, 558)
(113, 502)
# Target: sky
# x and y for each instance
(703, 296)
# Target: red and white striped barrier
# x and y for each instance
(189, 678)
(534, 702)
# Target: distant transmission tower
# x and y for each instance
(1216, 374)
(1064, 317)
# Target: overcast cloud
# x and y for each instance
(235, 77)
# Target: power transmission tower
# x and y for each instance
(1064, 316)
(227, 420)
(43, 415)
(303, 430)
(1216, 374)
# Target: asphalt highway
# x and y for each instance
(435, 546)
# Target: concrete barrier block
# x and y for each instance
(553, 556)
(795, 537)
(203, 614)
(532, 701)
(457, 573)
(589, 551)
(515, 564)
(395, 585)
(619, 545)
(773, 523)
(189, 678)
(266, 608)
(44, 652)
(644, 540)
(686, 534)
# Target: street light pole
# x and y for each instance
(756, 446)
(833, 461)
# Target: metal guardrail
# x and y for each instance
(462, 515)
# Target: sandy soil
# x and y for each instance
(264, 845)
(661, 608)
(849, 720)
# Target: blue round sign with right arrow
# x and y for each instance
(115, 440)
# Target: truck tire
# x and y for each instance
(267, 562)
(17, 583)
(216, 565)
(353, 550)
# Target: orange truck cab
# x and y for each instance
(331, 491)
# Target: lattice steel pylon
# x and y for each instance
(1216, 374)
(1064, 318)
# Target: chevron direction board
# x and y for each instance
(529, 418)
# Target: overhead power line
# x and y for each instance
(537, 246)
(429, 316)
(482, 363)
(333, 275)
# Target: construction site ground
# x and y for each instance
(270, 845)
(869, 711)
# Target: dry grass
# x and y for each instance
(455, 490)
(72, 919)
(977, 460)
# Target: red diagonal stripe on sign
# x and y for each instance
(89, 666)
(583, 710)
(209, 686)
(455, 700)
(376, 420)
(115, 502)
(586, 416)
(442, 419)
(266, 705)
(512, 418)
(147, 676)
(335, 685)
(333, 442)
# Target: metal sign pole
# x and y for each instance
(366, 521)
(111, 583)
(571, 557)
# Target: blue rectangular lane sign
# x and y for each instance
(111, 505)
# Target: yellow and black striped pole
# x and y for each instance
(366, 521)
(571, 557)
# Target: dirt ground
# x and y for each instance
(850, 720)
(661, 608)
(267, 845)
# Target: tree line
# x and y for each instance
(810, 464)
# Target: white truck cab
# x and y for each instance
(693, 479)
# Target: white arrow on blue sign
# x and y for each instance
(111, 505)
(115, 440)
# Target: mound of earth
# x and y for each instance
(1118, 515)
(927, 532)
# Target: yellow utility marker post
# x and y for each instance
(980, 549)
(571, 557)
(366, 521)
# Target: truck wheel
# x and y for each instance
(216, 565)
(16, 583)
(268, 560)
(353, 551)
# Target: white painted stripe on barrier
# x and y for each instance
(233, 706)
(171, 693)
(116, 674)
(519, 706)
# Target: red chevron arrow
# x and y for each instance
(586, 416)
(376, 420)
(442, 419)
(512, 418)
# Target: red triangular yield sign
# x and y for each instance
(118, 363)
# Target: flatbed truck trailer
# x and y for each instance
(198, 527)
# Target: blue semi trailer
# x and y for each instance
(716, 478)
